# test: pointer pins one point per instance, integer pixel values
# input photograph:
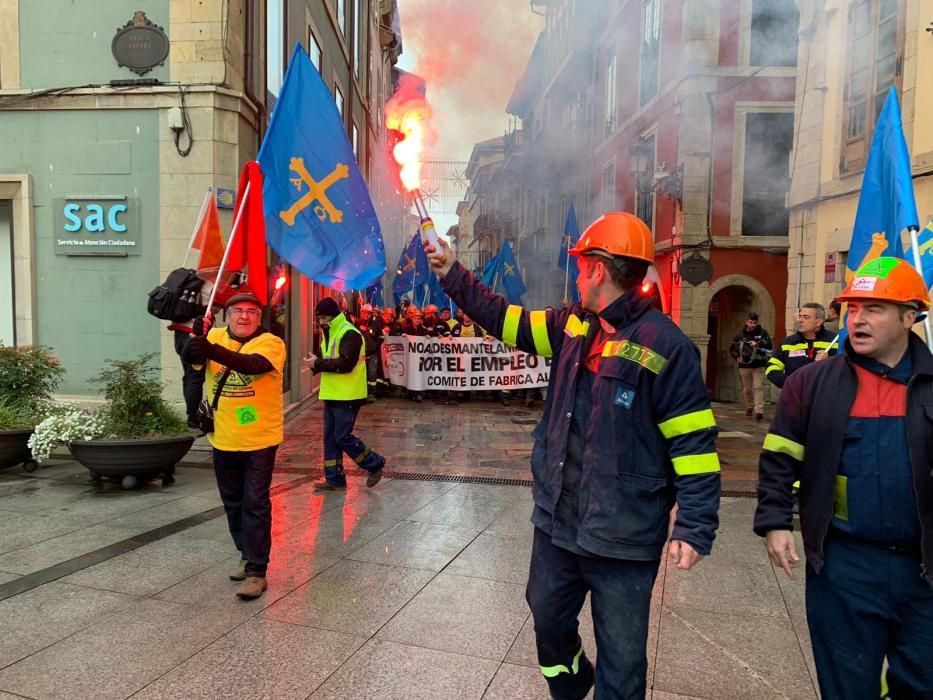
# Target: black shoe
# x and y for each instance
(194, 425)
(418, 398)
(329, 486)
(374, 477)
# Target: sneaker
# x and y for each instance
(328, 486)
(252, 587)
(748, 411)
(239, 573)
(759, 416)
(374, 477)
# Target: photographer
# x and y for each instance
(751, 349)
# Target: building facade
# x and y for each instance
(681, 111)
(852, 52)
(102, 149)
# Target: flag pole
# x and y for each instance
(197, 225)
(567, 270)
(918, 266)
(233, 232)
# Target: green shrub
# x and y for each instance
(29, 375)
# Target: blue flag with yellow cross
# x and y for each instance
(318, 212)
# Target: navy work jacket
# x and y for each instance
(806, 441)
(651, 435)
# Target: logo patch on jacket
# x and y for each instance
(624, 398)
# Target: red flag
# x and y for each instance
(209, 240)
(249, 246)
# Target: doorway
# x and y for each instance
(728, 310)
(7, 302)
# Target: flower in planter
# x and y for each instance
(134, 409)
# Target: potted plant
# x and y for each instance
(29, 375)
(133, 438)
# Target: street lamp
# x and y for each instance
(651, 177)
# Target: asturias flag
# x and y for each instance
(571, 236)
(510, 277)
(886, 207)
(319, 215)
(412, 272)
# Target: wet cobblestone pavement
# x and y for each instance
(412, 589)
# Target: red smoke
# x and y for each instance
(471, 53)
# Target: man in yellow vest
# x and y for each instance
(343, 390)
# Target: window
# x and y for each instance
(356, 143)
(650, 50)
(314, 50)
(769, 137)
(253, 67)
(612, 80)
(774, 33)
(338, 99)
(609, 188)
(357, 32)
(275, 42)
(342, 16)
(644, 201)
(875, 53)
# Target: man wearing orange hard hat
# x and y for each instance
(627, 433)
(855, 430)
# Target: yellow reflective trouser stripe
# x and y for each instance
(539, 333)
(690, 465)
(841, 498)
(776, 443)
(554, 671)
(575, 327)
(687, 423)
(513, 317)
(363, 455)
(330, 462)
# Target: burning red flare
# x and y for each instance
(410, 113)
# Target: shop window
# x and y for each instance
(769, 138)
(874, 64)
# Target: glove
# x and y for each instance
(198, 349)
(202, 324)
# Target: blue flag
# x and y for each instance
(510, 277)
(925, 246)
(437, 296)
(571, 236)
(489, 271)
(886, 205)
(373, 295)
(318, 212)
(412, 272)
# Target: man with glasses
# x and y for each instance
(245, 362)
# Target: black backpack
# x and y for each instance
(178, 298)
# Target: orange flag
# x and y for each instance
(209, 240)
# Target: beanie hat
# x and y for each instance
(327, 307)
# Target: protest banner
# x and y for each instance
(460, 364)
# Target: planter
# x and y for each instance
(132, 462)
(14, 450)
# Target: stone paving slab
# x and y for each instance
(412, 589)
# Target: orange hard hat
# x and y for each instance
(617, 233)
(431, 309)
(888, 279)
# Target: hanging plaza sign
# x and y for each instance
(97, 225)
(460, 364)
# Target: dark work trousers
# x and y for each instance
(620, 596)
(866, 604)
(243, 479)
(339, 418)
(192, 379)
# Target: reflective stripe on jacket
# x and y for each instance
(795, 352)
(349, 386)
(650, 434)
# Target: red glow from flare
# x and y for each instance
(410, 113)
(280, 281)
(646, 287)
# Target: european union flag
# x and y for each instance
(318, 213)
(886, 205)
(567, 262)
(412, 272)
(509, 276)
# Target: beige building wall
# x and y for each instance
(824, 201)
